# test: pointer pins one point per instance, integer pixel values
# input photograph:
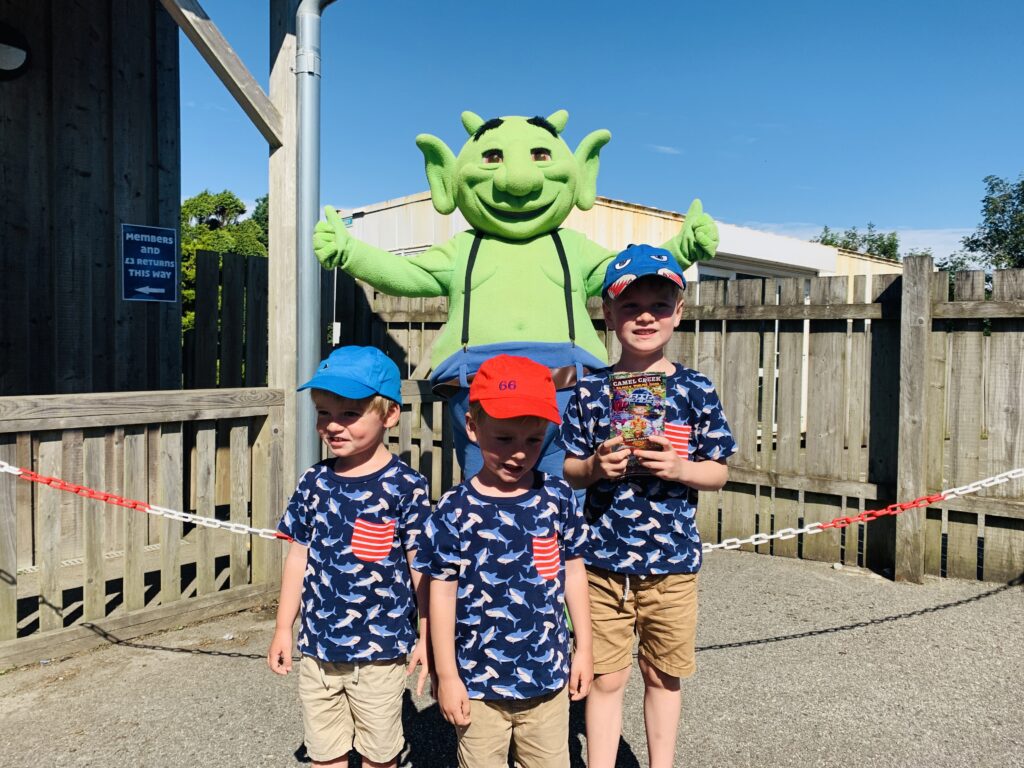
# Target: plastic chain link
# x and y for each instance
(141, 506)
(756, 540)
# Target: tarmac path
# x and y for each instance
(799, 664)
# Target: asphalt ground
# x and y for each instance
(799, 664)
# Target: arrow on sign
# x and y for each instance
(150, 289)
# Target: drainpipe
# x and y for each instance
(307, 72)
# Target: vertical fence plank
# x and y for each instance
(25, 503)
(882, 425)
(826, 410)
(232, 309)
(136, 486)
(256, 322)
(205, 474)
(171, 496)
(241, 463)
(915, 332)
(709, 362)
(1004, 538)
(94, 525)
(71, 543)
(739, 392)
(935, 418)
(48, 513)
(204, 366)
(788, 457)
(267, 501)
(8, 542)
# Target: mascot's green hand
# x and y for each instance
(700, 234)
(330, 239)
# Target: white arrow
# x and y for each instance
(150, 289)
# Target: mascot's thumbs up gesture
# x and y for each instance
(516, 283)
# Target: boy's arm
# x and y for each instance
(452, 697)
(421, 654)
(279, 657)
(577, 600)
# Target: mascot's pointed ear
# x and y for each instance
(440, 165)
(471, 122)
(588, 160)
(559, 119)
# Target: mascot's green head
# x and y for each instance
(515, 177)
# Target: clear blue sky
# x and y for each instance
(782, 116)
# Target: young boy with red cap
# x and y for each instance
(645, 551)
(503, 552)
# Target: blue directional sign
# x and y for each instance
(149, 263)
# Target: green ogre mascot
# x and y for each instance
(516, 283)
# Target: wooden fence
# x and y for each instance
(75, 572)
(844, 395)
(227, 346)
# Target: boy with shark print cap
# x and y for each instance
(503, 553)
(354, 520)
(645, 551)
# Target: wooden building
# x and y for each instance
(91, 388)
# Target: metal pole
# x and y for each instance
(307, 72)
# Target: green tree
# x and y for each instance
(885, 245)
(998, 242)
(213, 222)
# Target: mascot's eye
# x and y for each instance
(622, 264)
(493, 156)
(659, 257)
(540, 155)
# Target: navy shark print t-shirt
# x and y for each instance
(642, 524)
(357, 597)
(508, 555)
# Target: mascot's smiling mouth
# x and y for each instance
(515, 215)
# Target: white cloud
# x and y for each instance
(663, 150)
(942, 242)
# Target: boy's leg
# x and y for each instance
(613, 618)
(662, 701)
(375, 694)
(667, 628)
(540, 731)
(484, 742)
(326, 716)
(604, 717)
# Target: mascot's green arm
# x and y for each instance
(423, 274)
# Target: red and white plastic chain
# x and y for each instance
(141, 506)
(755, 540)
(869, 515)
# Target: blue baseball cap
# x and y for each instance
(639, 261)
(358, 372)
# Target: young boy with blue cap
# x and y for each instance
(644, 551)
(354, 520)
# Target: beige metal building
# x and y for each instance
(410, 224)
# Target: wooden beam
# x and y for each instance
(197, 26)
(912, 465)
(26, 414)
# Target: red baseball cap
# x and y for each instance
(507, 386)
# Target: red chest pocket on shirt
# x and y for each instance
(679, 436)
(546, 556)
(372, 541)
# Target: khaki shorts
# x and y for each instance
(345, 706)
(538, 730)
(659, 610)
